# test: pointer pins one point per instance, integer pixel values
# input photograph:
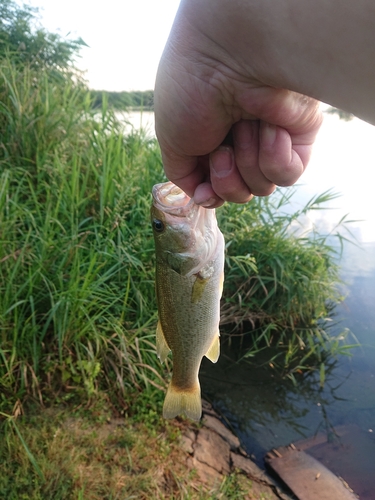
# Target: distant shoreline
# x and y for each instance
(121, 101)
(138, 108)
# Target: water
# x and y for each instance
(266, 412)
(138, 120)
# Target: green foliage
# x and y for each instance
(77, 301)
(95, 453)
(26, 43)
(76, 273)
(68, 453)
(280, 286)
(77, 308)
(343, 115)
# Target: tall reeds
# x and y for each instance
(77, 301)
(76, 280)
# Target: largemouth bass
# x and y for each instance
(189, 282)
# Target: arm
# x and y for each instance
(246, 66)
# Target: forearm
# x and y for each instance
(324, 49)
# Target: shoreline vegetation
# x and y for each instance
(77, 302)
(143, 100)
(137, 100)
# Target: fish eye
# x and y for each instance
(158, 225)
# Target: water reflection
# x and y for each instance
(264, 410)
(138, 120)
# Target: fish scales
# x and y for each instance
(189, 279)
(184, 322)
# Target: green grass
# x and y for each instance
(77, 300)
(76, 274)
(81, 388)
(282, 284)
(96, 452)
(77, 309)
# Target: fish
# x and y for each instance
(189, 278)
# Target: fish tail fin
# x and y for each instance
(186, 402)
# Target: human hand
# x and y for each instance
(201, 95)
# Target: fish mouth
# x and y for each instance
(192, 228)
(171, 199)
(175, 203)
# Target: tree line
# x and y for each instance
(27, 43)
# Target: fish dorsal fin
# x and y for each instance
(213, 352)
(198, 288)
(162, 348)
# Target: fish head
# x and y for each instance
(185, 234)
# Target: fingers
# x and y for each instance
(272, 150)
(279, 161)
(226, 179)
(206, 197)
(187, 172)
(225, 182)
(246, 149)
(263, 156)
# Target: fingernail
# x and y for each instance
(222, 160)
(268, 135)
(208, 203)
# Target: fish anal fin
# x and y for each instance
(198, 288)
(162, 348)
(186, 402)
(213, 352)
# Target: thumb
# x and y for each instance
(187, 172)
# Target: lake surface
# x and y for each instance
(266, 412)
(138, 120)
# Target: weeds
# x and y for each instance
(76, 276)
(95, 453)
(77, 302)
(77, 308)
(281, 289)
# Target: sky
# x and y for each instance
(343, 159)
(125, 37)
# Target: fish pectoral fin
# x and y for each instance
(162, 348)
(198, 288)
(187, 402)
(213, 352)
